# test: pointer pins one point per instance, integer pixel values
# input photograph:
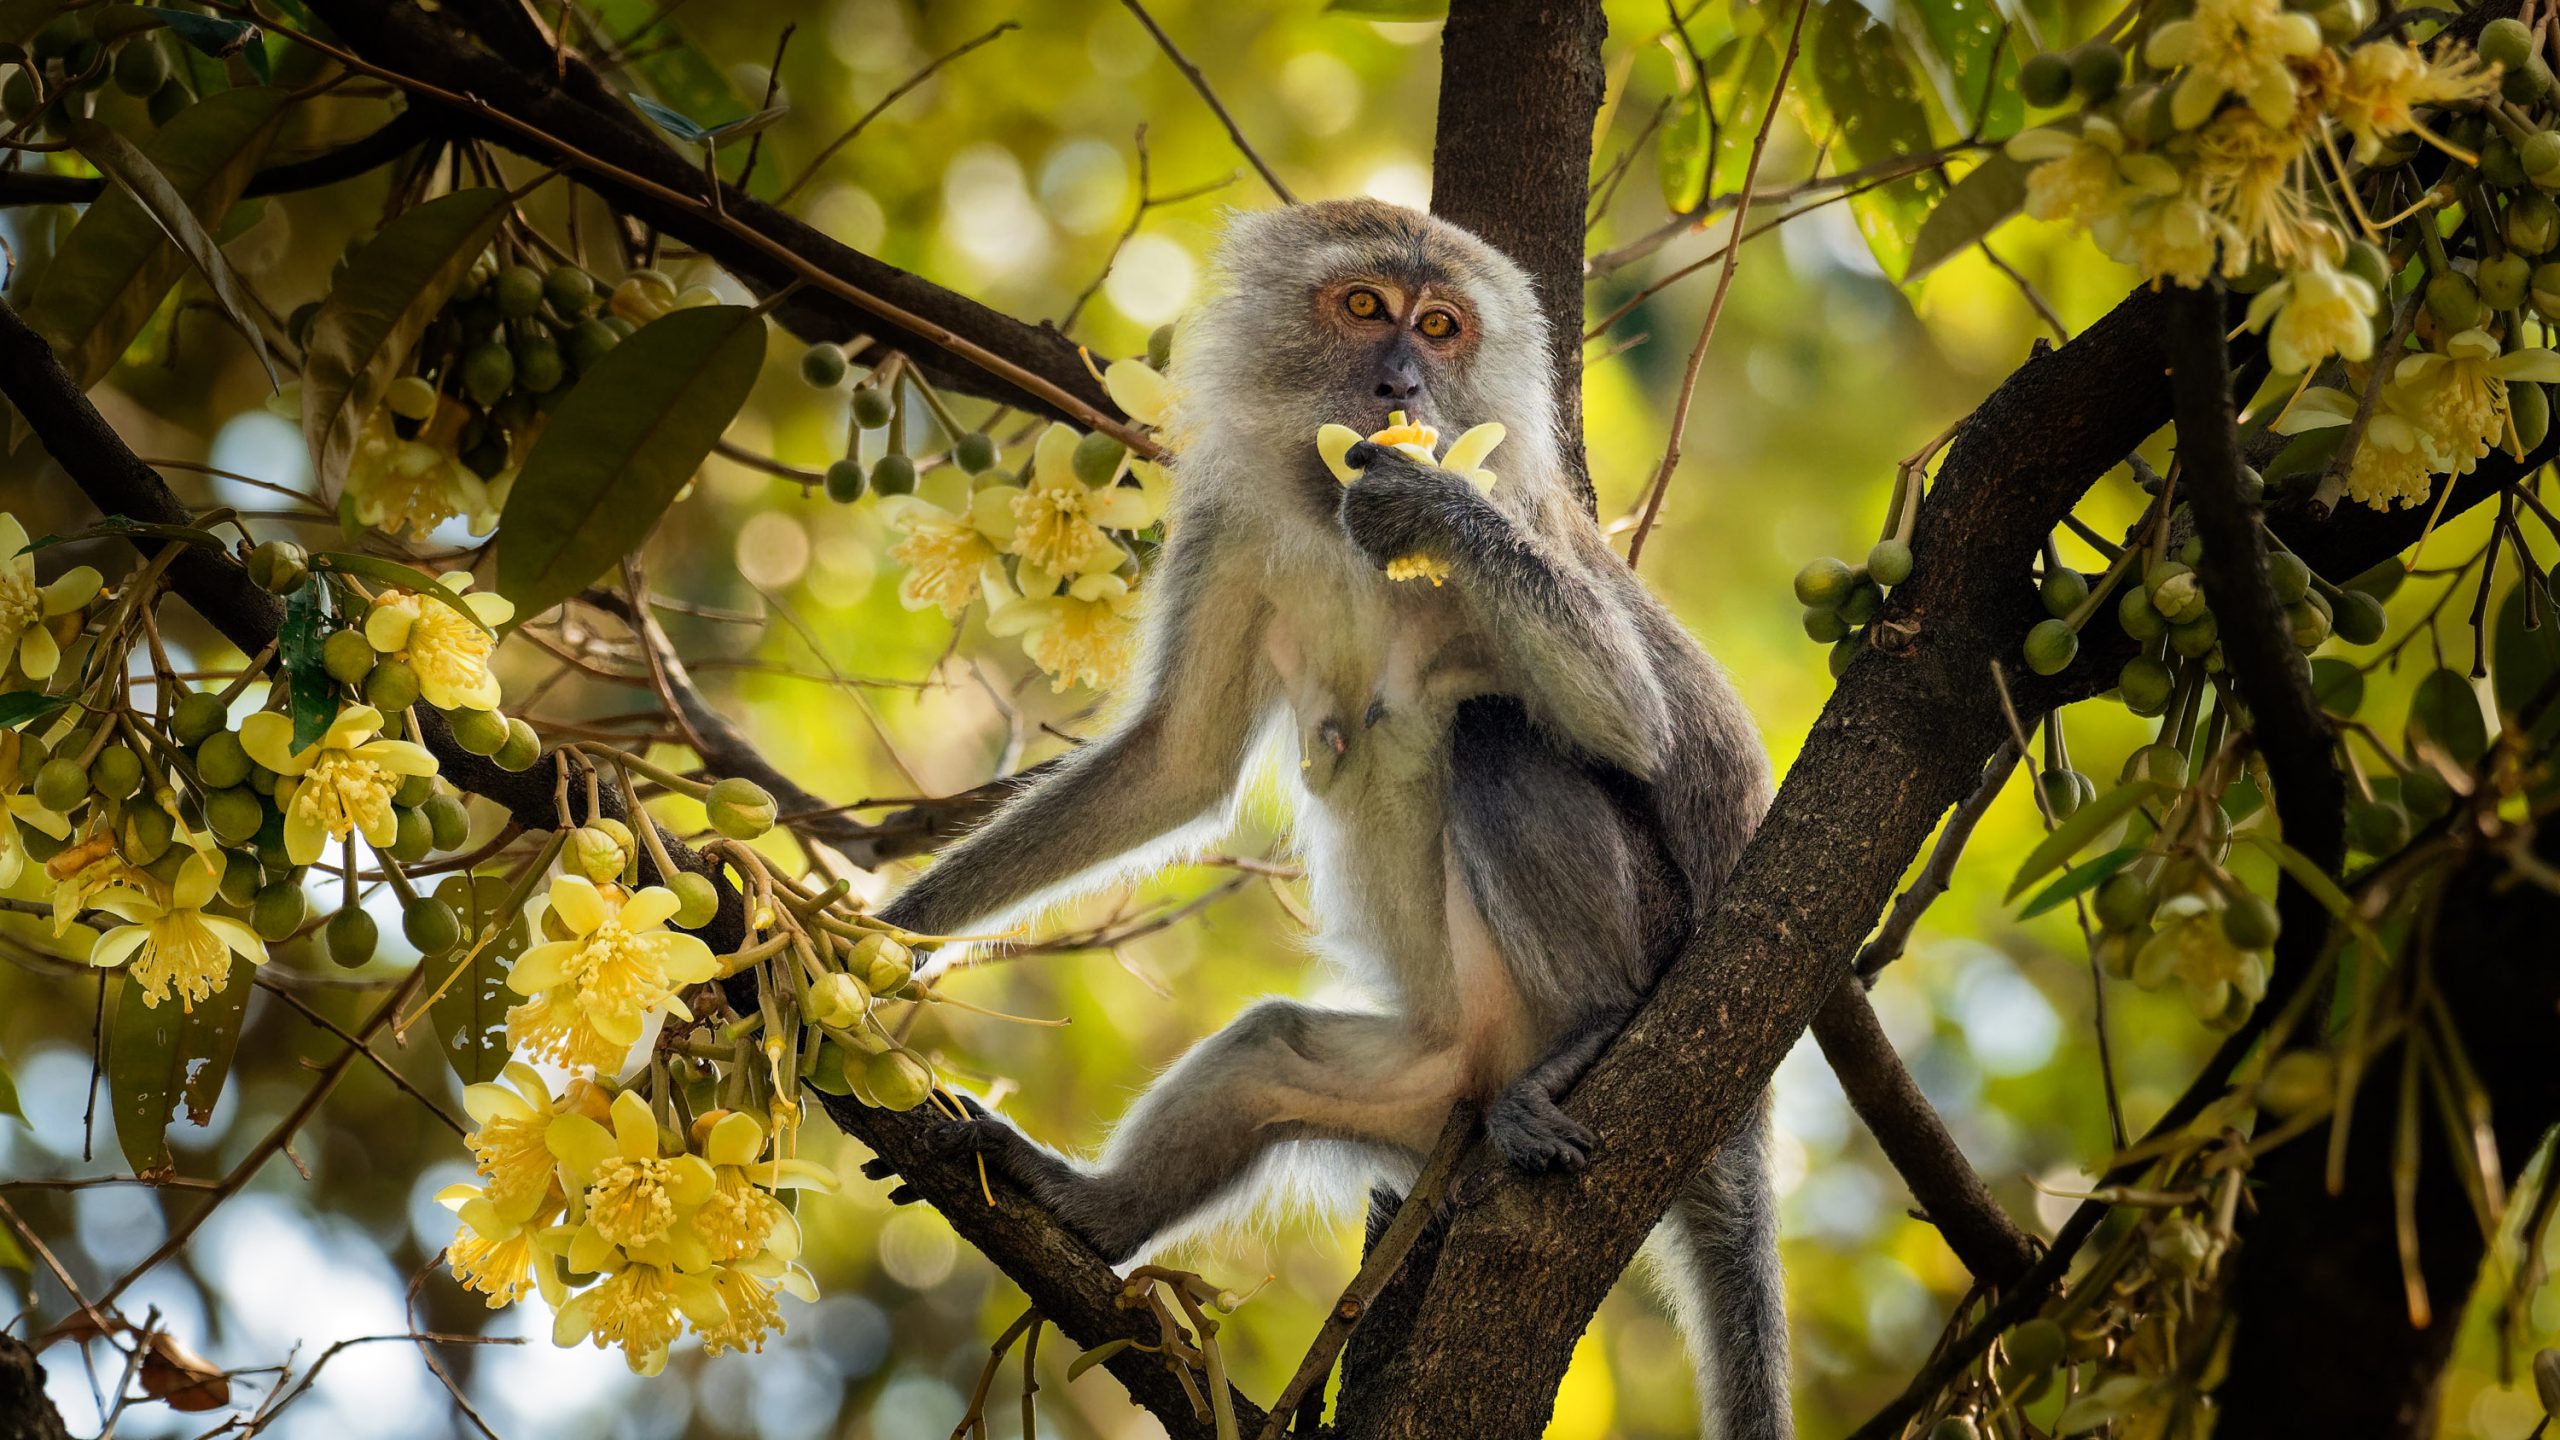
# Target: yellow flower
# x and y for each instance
(750, 1312)
(2189, 947)
(449, 654)
(25, 605)
(2251, 175)
(2234, 47)
(1059, 523)
(509, 1148)
(2391, 464)
(338, 784)
(25, 809)
(2457, 398)
(2386, 82)
(2319, 311)
(173, 943)
(590, 994)
(81, 871)
(742, 1218)
(1081, 632)
(634, 1202)
(1138, 390)
(945, 554)
(496, 1256)
(2171, 238)
(2086, 176)
(418, 483)
(641, 1308)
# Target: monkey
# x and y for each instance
(1520, 789)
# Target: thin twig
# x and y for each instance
(1200, 83)
(810, 172)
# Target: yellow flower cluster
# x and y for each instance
(2439, 412)
(449, 654)
(633, 1234)
(1065, 596)
(589, 996)
(419, 483)
(341, 783)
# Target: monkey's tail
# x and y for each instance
(1719, 1260)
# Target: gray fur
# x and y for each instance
(1519, 789)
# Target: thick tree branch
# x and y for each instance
(1072, 1286)
(394, 138)
(26, 1412)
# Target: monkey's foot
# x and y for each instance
(1532, 1133)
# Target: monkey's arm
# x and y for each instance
(1563, 622)
(1172, 761)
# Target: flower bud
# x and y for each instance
(351, 936)
(2051, 647)
(697, 899)
(838, 1000)
(740, 809)
(595, 853)
(1889, 563)
(2300, 1080)
(1824, 583)
(2546, 1381)
(278, 911)
(197, 714)
(279, 567)
(391, 686)
(523, 747)
(479, 732)
(896, 1080)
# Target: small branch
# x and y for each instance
(1200, 83)
(1895, 933)
(895, 93)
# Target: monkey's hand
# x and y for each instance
(1400, 510)
(984, 1133)
(1533, 1132)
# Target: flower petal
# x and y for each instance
(268, 737)
(580, 908)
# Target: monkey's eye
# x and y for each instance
(1438, 324)
(1364, 303)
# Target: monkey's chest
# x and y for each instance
(1371, 684)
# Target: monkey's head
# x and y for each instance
(1344, 310)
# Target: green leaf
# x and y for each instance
(311, 694)
(1977, 204)
(120, 526)
(674, 122)
(2445, 711)
(619, 447)
(19, 708)
(392, 572)
(9, 1105)
(166, 1056)
(13, 1256)
(117, 264)
(471, 1012)
(1979, 66)
(211, 35)
(116, 157)
(2076, 833)
(2525, 660)
(1866, 82)
(1390, 9)
(362, 337)
(2088, 877)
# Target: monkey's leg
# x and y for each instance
(1281, 1071)
(1722, 1270)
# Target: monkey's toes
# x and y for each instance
(1536, 1136)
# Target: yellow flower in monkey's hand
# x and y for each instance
(1420, 444)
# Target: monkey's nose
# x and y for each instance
(1398, 379)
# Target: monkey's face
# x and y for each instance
(1396, 342)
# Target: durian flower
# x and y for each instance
(2190, 947)
(511, 1149)
(1081, 630)
(2083, 176)
(498, 1257)
(2234, 47)
(2457, 397)
(1057, 522)
(2173, 238)
(2319, 311)
(82, 871)
(25, 605)
(173, 944)
(746, 1290)
(1139, 391)
(338, 784)
(590, 995)
(946, 555)
(2251, 175)
(642, 1309)
(634, 1201)
(2387, 81)
(2392, 463)
(419, 483)
(1419, 443)
(742, 1218)
(24, 810)
(448, 654)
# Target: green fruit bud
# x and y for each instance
(234, 815)
(391, 685)
(488, 373)
(2533, 222)
(2180, 598)
(147, 833)
(346, 655)
(2033, 1348)
(1825, 627)
(588, 342)
(220, 762)
(1842, 656)
(894, 475)
(2140, 618)
(2540, 155)
(141, 67)
(410, 397)
(430, 925)
(1889, 563)
(278, 911)
(570, 290)
(1824, 583)
(2299, 1080)
(896, 1080)
(2377, 827)
(2051, 646)
(2310, 623)
(2546, 1381)
(240, 877)
(2196, 638)
(1862, 605)
(2287, 576)
(116, 773)
(1160, 347)
(2160, 762)
(197, 714)
(838, 1000)
(479, 732)
(697, 899)
(279, 567)
(2366, 262)
(518, 290)
(2499, 165)
(1097, 459)
(539, 367)
(740, 809)
(2045, 80)
(2062, 592)
(2249, 922)
(974, 453)
(523, 747)
(846, 480)
(2505, 281)
(2425, 794)
(871, 407)
(2146, 685)
(2357, 617)
(2506, 43)
(2453, 300)
(448, 821)
(2526, 84)
(2546, 289)
(594, 853)
(2064, 791)
(822, 365)
(411, 840)
(2124, 902)
(2530, 405)
(2097, 68)
(351, 937)
(885, 964)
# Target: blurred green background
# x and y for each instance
(1010, 176)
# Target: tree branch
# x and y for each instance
(394, 138)
(26, 1412)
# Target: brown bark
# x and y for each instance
(25, 1411)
